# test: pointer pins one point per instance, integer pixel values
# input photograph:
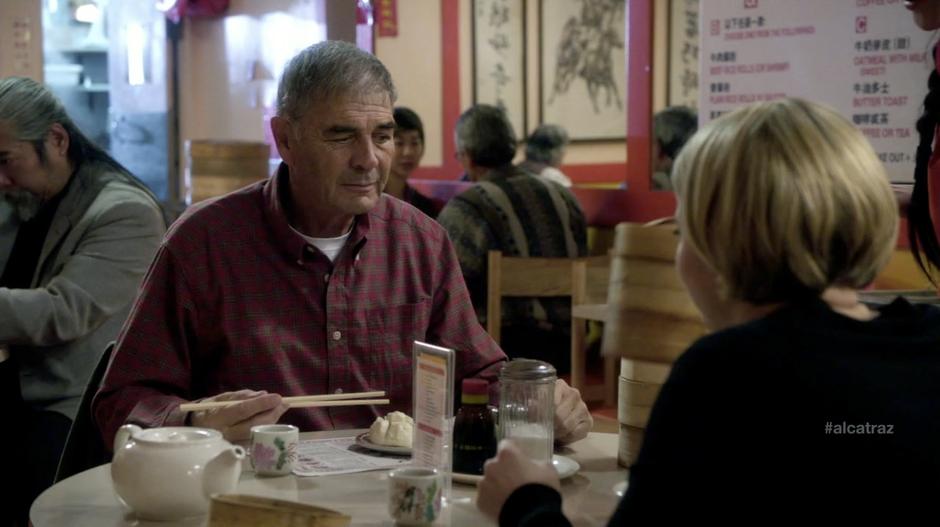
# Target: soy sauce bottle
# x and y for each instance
(474, 429)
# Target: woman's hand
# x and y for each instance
(508, 471)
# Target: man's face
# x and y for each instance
(339, 154)
(24, 178)
(409, 149)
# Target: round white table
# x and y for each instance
(88, 499)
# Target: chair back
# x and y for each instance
(515, 276)
(84, 448)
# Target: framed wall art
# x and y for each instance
(683, 53)
(499, 58)
(582, 64)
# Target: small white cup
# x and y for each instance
(274, 449)
(414, 495)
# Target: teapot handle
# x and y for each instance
(123, 434)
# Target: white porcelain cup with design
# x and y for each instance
(414, 495)
(273, 449)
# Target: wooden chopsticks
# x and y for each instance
(303, 401)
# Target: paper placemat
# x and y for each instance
(341, 455)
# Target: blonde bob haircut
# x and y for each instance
(784, 199)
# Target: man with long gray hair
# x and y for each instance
(77, 233)
(311, 282)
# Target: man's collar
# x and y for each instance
(276, 194)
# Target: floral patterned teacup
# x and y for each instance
(414, 495)
(273, 449)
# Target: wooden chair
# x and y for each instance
(590, 279)
(582, 279)
(514, 276)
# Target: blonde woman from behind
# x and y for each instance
(803, 399)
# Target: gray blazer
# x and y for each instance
(98, 249)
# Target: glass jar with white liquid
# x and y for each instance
(527, 407)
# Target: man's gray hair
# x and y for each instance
(546, 144)
(30, 110)
(672, 127)
(485, 134)
(329, 69)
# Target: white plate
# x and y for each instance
(565, 466)
(363, 441)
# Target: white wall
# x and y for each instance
(414, 60)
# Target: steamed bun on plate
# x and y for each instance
(395, 429)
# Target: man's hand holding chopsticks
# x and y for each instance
(235, 421)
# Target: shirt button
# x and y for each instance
(337, 335)
(326, 277)
(338, 390)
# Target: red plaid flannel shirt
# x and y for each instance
(236, 300)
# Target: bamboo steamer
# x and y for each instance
(650, 315)
(237, 510)
(631, 439)
(639, 387)
(219, 167)
(641, 371)
(650, 321)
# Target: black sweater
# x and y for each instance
(804, 409)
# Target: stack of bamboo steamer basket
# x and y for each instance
(638, 388)
(239, 510)
(216, 168)
(650, 321)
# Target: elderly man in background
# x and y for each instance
(520, 214)
(77, 233)
(544, 152)
(311, 282)
(672, 127)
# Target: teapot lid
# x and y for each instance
(178, 435)
(528, 370)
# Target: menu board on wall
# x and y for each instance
(866, 58)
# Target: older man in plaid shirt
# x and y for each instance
(311, 282)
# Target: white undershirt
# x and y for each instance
(328, 246)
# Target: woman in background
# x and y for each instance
(803, 399)
(409, 149)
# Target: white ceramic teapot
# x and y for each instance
(170, 473)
